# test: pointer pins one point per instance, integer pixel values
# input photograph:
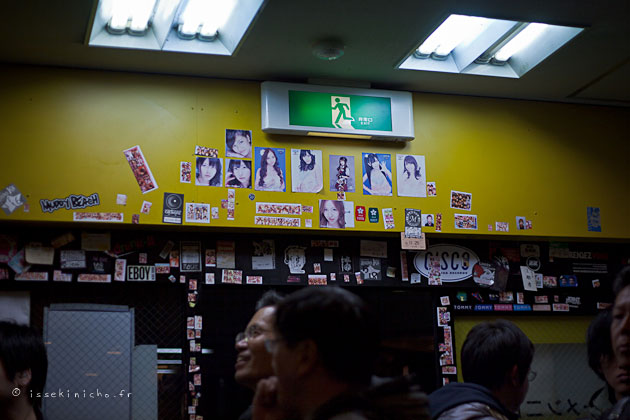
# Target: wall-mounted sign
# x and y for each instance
(456, 262)
(140, 273)
(334, 111)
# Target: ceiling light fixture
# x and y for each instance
(449, 34)
(129, 16)
(520, 41)
(470, 44)
(329, 49)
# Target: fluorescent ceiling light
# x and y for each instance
(522, 40)
(173, 25)
(451, 33)
(489, 47)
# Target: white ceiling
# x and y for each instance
(592, 68)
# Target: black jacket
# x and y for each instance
(464, 401)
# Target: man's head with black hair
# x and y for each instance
(326, 345)
(253, 362)
(23, 368)
(601, 357)
(498, 356)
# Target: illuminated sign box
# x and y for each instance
(333, 111)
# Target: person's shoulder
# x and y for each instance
(471, 411)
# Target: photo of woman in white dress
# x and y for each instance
(306, 171)
(411, 176)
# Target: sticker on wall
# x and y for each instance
(173, 258)
(416, 278)
(59, 275)
(58, 242)
(232, 276)
(483, 273)
(146, 207)
(32, 276)
(185, 171)
(411, 176)
(341, 195)
(306, 171)
(336, 214)
(209, 278)
(345, 264)
(370, 268)
(238, 143)
(295, 258)
(413, 222)
(529, 279)
(413, 243)
(209, 172)
(465, 221)
(211, 258)
(307, 209)
(254, 280)
(521, 223)
(502, 226)
(431, 189)
(37, 254)
(270, 169)
(226, 254)
(120, 269)
(173, 208)
(428, 220)
(162, 268)
(317, 280)
(190, 257)
(215, 212)
(206, 151)
(341, 173)
(443, 315)
(264, 255)
(277, 221)
(454, 262)
(71, 202)
(238, 174)
(140, 169)
(377, 174)
(135, 219)
(373, 215)
(98, 217)
(94, 278)
(388, 218)
(197, 213)
(308, 223)
(461, 200)
(279, 208)
(568, 281)
(593, 219)
(359, 213)
(11, 198)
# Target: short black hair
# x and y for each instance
(490, 351)
(340, 324)
(269, 298)
(622, 280)
(22, 348)
(598, 342)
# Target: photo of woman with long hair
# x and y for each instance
(377, 175)
(341, 174)
(269, 175)
(306, 170)
(411, 179)
(238, 174)
(208, 172)
(238, 143)
(332, 214)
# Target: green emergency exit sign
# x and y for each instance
(347, 112)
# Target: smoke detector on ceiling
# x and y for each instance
(328, 49)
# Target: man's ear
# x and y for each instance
(23, 378)
(307, 355)
(514, 379)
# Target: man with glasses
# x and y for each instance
(495, 362)
(322, 357)
(253, 362)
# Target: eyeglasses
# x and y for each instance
(531, 376)
(249, 334)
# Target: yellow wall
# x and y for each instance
(541, 330)
(63, 132)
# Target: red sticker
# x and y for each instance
(360, 213)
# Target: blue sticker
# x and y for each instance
(485, 308)
(252, 197)
(593, 218)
